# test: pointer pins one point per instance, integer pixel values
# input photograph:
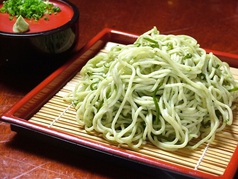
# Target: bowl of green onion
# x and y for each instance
(48, 27)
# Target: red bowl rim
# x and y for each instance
(47, 32)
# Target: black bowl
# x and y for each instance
(52, 43)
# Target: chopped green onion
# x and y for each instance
(170, 46)
(188, 55)
(29, 9)
(154, 43)
(233, 89)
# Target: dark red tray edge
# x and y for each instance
(121, 37)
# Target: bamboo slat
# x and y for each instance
(212, 159)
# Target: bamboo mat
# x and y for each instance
(212, 159)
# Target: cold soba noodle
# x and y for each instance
(163, 88)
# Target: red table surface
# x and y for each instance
(213, 23)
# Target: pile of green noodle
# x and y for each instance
(163, 89)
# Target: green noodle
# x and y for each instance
(163, 89)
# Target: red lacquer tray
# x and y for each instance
(20, 117)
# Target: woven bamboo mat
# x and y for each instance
(212, 159)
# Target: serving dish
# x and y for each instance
(43, 111)
(54, 37)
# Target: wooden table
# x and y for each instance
(213, 23)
